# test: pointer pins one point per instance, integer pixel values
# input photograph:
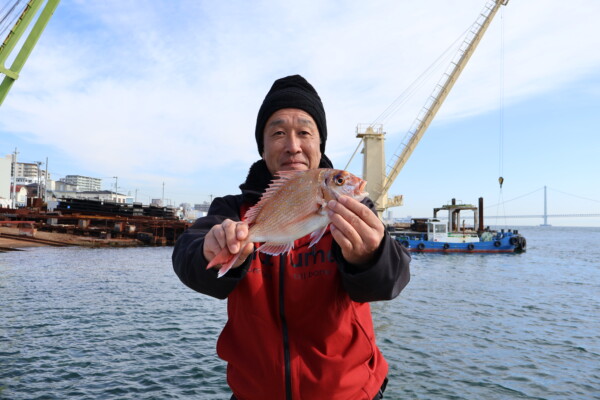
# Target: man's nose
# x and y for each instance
(293, 144)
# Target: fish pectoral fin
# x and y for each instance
(322, 210)
(317, 235)
(275, 249)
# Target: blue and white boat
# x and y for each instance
(431, 235)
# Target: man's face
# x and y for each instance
(291, 141)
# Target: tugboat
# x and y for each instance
(430, 235)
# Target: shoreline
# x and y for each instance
(17, 244)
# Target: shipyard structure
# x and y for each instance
(92, 223)
(75, 211)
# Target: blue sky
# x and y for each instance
(168, 92)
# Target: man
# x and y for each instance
(299, 324)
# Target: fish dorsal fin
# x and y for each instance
(281, 179)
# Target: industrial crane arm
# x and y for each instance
(440, 93)
(31, 9)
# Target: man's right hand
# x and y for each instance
(230, 234)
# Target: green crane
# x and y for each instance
(27, 16)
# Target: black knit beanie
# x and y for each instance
(291, 92)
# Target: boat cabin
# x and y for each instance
(438, 232)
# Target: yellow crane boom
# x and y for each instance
(374, 169)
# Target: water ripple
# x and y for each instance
(117, 323)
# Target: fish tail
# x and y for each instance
(225, 259)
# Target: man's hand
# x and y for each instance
(230, 234)
(356, 229)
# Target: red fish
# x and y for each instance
(294, 205)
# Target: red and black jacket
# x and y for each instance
(299, 324)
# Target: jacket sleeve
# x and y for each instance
(188, 255)
(382, 279)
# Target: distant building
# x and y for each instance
(22, 174)
(21, 196)
(55, 195)
(62, 186)
(84, 183)
(27, 173)
(102, 195)
(32, 190)
(105, 195)
(5, 174)
(28, 170)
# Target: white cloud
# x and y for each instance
(172, 88)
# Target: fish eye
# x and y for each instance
(339, 180)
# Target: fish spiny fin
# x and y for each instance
(317, 235)
(275, 249)
(281, 179)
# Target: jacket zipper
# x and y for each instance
(284, 331)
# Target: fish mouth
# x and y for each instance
(362, 186)
(360, 194)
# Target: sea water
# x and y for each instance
(118, 324)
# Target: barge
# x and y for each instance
(431, 235)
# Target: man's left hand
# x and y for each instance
(356, 229)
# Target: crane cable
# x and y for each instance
(8, 17)
(411, 89)
(516, 198)
(416, 84)
(501, 201)
(501, 136)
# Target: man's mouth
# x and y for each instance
(294, 164)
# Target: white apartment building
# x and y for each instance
(26, 173)
(62, 186)
(84, 183)
(29, 173)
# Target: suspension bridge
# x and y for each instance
(545, 214)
